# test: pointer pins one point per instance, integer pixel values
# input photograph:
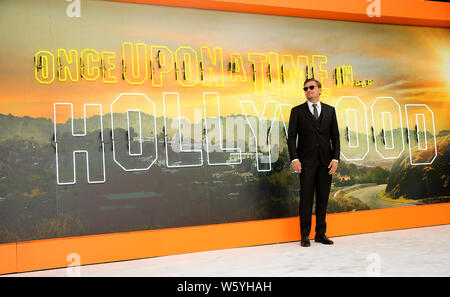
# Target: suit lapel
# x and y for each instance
(307, 112)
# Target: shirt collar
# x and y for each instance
(310, 104)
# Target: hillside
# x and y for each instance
(421, 181)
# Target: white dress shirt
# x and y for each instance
(319, 109)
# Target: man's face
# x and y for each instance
(313, 94)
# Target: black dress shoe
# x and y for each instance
(323, 239)
(305, 242)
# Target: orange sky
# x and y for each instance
(405, 62)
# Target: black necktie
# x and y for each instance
(316, 113)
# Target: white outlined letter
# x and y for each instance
(355, 150)
(67, 146)
(219, 147)
(386, 144)
(421, 117)
(134, 152)
(177, 141)
(263, 134)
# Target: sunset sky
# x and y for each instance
(408, 63)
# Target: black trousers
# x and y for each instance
(314, 179)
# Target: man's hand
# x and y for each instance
(297, 166)
(333, 165)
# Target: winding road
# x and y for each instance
(368, 195)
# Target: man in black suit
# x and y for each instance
(315, 156)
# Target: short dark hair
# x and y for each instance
(313, 79)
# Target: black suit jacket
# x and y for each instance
(318, 140)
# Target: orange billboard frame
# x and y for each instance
(92, 249)
(406, 12)
(52, 253)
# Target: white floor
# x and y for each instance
(411, 252)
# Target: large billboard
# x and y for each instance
(118, 117)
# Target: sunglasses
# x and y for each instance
(310, 87)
